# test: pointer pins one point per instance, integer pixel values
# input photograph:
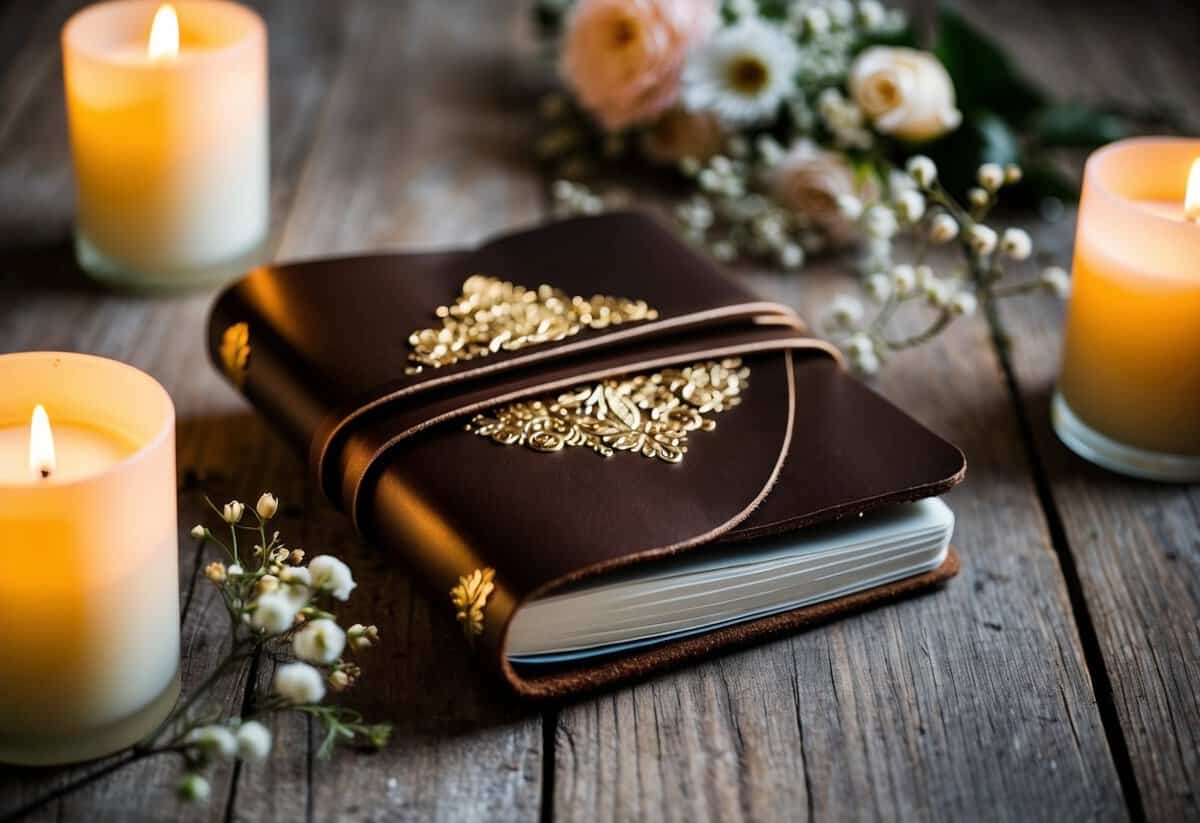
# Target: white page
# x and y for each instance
(725, 584)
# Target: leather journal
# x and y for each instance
(602, 456)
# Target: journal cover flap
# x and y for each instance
(339, 331)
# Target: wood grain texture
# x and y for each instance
(1133, 547)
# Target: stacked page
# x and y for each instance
(703, 590)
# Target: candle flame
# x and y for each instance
(1191, 201)
(164, 33)
(41, 444)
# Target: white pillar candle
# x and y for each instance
(167, 111)
(1129, 395)
(89, 582)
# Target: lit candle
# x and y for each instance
(1129, 395)
(89, 582)
(167, 110)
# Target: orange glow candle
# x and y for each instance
(167, 112)
(89, 581)
(1129, 395)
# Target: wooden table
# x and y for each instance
(1057, 678)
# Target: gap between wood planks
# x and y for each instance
(1093, 656)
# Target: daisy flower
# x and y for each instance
(742, 73)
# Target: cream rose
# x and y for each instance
(813, 182)
(623, 58)
(680, 134)
(905, 93)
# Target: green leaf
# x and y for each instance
(984, 76)
(997, 142)
(1043, 180)
(1075, 125)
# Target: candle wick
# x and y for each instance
(45, 473)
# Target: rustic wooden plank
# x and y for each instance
(223, 450)
(1131, 546)
(377, 179)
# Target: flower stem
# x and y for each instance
(181, 712)
(934, 329)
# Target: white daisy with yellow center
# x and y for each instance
(742, 74)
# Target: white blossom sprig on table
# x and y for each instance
(279, 605)
(280, 608)
(917, 204)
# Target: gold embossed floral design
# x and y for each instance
(649, 414)
(469, 598)
(235, 352)
(493, 315)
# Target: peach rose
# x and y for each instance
(681, 134)
(812, 181)
(904, 93)
(623, 58)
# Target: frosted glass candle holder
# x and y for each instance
(89, 589)
(170, 151)
(1129, 395)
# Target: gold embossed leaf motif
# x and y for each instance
(235, 352)
(495, 315)
(469, 597)
(650, 414)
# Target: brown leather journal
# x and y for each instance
(566, 405)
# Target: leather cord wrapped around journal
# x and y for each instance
(603, 456)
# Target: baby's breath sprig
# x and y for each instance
(916, 202)
(279, 605)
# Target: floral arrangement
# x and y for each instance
(790, 122)
(281, 608)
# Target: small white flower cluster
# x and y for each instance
(918, 203)
(575, 198)
(729, 220)
(276, 601)
(844, 119)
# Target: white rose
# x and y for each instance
(253, 741)
(299, 683)
(331, 575)
(904, 92)
(818, 184)
(320, 641)
(274, 613)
